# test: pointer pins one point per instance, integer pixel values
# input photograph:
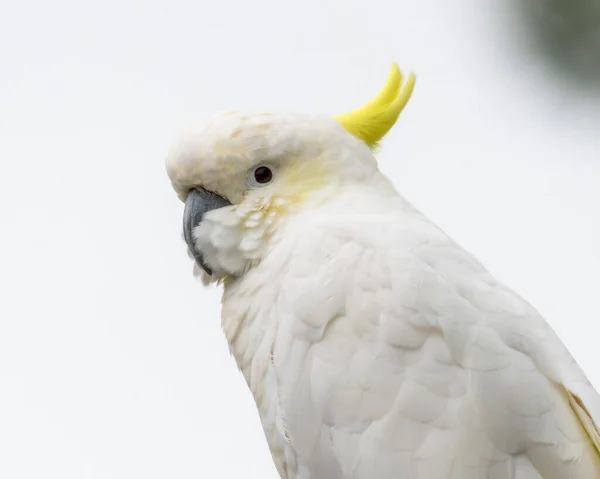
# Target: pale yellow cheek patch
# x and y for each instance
(260, 213)
(301, 178)
(297, 184)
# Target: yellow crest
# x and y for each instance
(372, 121)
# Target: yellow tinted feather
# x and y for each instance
(373, 120)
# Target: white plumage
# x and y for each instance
(374, 345)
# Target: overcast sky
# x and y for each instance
(112, 362)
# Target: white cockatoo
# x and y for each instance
(373, 344)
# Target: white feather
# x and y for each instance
(388, 351)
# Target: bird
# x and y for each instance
(374, 345)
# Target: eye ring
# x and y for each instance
(261, 175)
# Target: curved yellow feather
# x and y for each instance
(372, 121)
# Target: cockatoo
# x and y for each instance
(373, 344)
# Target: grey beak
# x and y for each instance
(198, 203)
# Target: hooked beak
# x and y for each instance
(198, 203)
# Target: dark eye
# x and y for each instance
(263, 175)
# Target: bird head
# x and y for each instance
(241, 174)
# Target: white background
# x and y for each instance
(112, 362)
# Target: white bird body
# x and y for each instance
(388, 351)
(374, 345)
